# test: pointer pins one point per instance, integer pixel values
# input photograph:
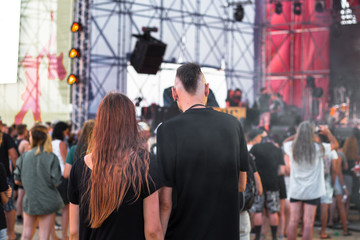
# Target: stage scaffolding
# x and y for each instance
(299, 35)
(195, 31)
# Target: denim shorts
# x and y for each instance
(3, 234)
(269, 199)
(10, 204)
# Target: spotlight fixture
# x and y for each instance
(278, 8)
(319, 6)
(72, 79)
(297, 8)
(239, 13)
(76, 27)
(74, 53)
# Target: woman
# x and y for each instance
(351, 152)
(307, 182)
(111, 190)
(60, 132)
(38, 171)
(79, 150)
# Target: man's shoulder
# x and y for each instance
(210, 114)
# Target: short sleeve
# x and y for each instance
(17, 171)
(3, 183)
(9, 142)
(166, 155)
(244, 154)
(288, 148)
(154, 181)
(55, 171)
(281, 157)
(73, 187)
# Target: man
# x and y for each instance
(269, 160)
(263, 103)
(7, 149)
(203, 157)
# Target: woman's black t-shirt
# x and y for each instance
(127, 222)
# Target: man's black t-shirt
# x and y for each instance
(7, 143)
(3, 188)
(268, 158)
(201, 153)
(125, 223)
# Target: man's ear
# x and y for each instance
(174, 94)
(207, 89)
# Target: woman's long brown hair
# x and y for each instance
(118, 157)
(350, 148)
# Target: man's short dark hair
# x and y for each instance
(20, 129)
(189, 74)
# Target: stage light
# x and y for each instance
(278, 8)
(76, 27)
(297, 8)
(74, 53)
(72, 79)
(239, 13)
(319, 6)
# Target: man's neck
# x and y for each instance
(20, 137)
(190, 104)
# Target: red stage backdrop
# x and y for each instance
(297, 46)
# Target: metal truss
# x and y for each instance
(310, 24)
(81, 66)
(194, 31)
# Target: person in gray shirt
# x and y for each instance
(38, 171)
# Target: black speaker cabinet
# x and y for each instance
(148, 56)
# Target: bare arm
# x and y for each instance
(333, 142)
(165, 194)
(242, 181)
(258, 183)
(67, 170)
(336, 168)
(24, 146)
(340, 175)
(74, 221)
(152, 225)
(13, 155)
(287, 165)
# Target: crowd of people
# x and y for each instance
(309, 170)
(110, 181)
(202, 177)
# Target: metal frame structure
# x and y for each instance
(195, 31)
(81, 66)
(290, 75)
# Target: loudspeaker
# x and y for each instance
(310, 82)
(148, 55)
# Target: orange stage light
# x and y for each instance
(74, 53)
(72, 79)
(76, 27)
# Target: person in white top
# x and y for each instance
(60, 131)
(307, 182)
